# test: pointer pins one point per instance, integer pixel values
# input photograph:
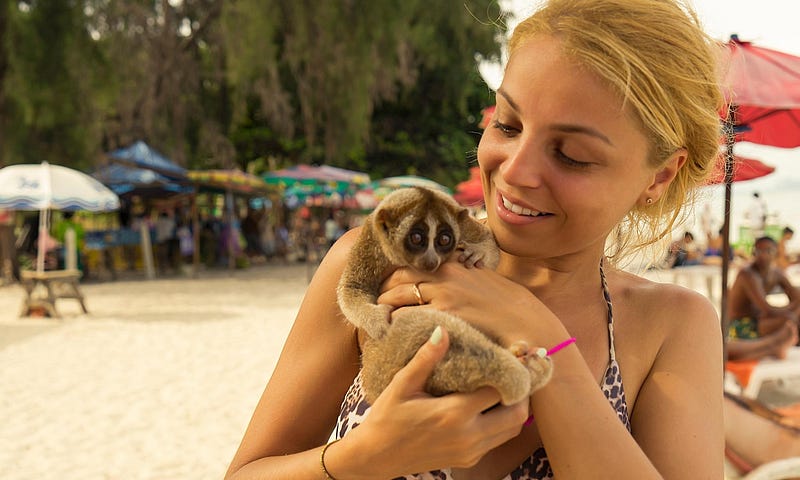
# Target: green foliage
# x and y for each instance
(51, 85)
(387, 86)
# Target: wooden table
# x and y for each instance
(42, 289)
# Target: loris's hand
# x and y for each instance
(411, 424)
(471, 257)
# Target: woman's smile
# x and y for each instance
(515, 213)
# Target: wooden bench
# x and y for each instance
(42, 289)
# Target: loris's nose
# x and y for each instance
(429, 262)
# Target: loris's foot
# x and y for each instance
(541, 368)
(520, 349)
(535, 360)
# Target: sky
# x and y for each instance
(767, 23)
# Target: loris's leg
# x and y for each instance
(472, 361)
(360, 309)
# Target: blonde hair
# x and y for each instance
(656, 56)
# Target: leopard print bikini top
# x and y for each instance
(536, 467)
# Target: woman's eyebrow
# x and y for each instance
(511, 102)
(566, 128)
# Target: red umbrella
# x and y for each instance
(743, 169)
(486, 116)
(764, 84)
(762, 87)
(470, 192)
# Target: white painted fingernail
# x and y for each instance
(436, 336)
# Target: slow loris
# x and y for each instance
(421, 228)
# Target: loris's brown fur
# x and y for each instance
(423, 228)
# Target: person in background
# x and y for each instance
(757, 215)
(9, 264)
(60, 229)
(604, 126)
(783, 259)
(757, 328)
(164, 236)
(684, 252)
(251, 230)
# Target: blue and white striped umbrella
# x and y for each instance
(46, 187)
(53, 187)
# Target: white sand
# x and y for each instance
(157, 382)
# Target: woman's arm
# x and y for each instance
(300, 404)
(402, 433)
(677, 419)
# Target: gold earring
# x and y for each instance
(649, 201)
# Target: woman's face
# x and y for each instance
(561, 161)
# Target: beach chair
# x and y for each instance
(752, 375)
(761, 443)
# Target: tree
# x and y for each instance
(49, 84)
(431, 127)
(385, 85)
(365, 83)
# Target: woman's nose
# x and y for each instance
(524, 165)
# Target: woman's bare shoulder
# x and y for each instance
(653, 294)
(662, 327)
(672, 310)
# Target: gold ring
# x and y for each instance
(417, 293)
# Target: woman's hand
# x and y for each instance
(487, 300)
(409, 431)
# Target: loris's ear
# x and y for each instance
(384, 219)
(462, 214)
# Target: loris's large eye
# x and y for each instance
(416, 238)
(444, 240)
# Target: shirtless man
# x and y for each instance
(757, 328)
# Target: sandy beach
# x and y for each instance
(158, 381)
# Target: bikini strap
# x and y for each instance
(607, 296)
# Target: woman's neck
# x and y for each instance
(560, 276)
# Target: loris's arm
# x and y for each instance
(359, 286)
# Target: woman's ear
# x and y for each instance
(663, 177)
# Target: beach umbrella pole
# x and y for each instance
(730, 137)
(44, 215)
(42, 240)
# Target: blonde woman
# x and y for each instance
(606, 120)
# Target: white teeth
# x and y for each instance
(520, 210)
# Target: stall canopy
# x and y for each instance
(310, 174)
(141, 155)
(236, 181)
(124, 180)
(322, 185)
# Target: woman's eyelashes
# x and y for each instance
(505, 129)
(557, 149)
(568, 161)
